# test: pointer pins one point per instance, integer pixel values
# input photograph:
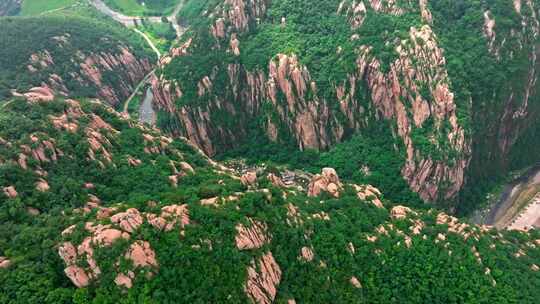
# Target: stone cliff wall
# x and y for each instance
(111, 76)
(413, 93)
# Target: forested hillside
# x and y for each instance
(450, 85)
(98, 209)
(391, 116)
(71, 55)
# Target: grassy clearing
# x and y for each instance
(161, 34)
(37, 7)
(136, 8)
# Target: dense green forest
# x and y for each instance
(96, 207)
(67, 41)
(437, 265)
(143, 7)
(488, 80)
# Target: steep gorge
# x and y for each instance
(395, 65)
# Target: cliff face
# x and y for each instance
(412, 91)
(112, 74)
(99, 205)
(83, 58)
(518, 109)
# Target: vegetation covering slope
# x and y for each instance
(143, 8)
(347, 51)
(36, 7)
(80, 163)
(78, 56)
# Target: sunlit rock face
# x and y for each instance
(417, 77)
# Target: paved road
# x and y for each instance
(146, 112)
(126, 104)
(131, 21)
(529, 218)
(508, 197)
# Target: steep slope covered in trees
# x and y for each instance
(311, 76)
(74, 56)
(96, 208)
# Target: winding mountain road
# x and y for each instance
(147, 114)
(130, 21)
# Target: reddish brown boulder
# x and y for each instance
(252, 237)
(249, 179)
(307, 254)
(328, 182)
(276, 180)
(69, 230)
(369, 193)
(355, 282)
(39, 94)
(186, 167)
(210, 201)
(173, 179)
(107, 237)
(125, 280)
(262, 279)
(77, 275)
(129, 220)
(68, 253)
(134, 162)
(4, 263)
(141, 254)
(399, 212)
(10, 192)
(42, 185)
(105, 212)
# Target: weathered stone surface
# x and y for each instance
(142, 254)
(307, 254)
(10, 192)
(263, 279)
(249, 178)
(129, 220)
(276, 180)
(77, 275)
(254, 236)
(328, 182)
(4, 262)
(355, 282)
(400, 212)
